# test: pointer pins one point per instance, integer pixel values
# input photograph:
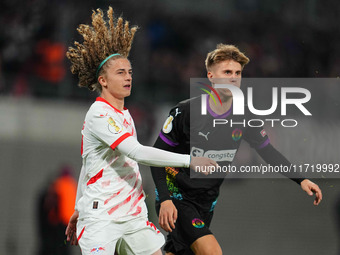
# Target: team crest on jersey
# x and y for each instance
(237, 134)
(97, 250)
(114, 126)
(167, 127)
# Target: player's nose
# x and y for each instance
(128, 77)
(233, 78)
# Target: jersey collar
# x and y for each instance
(103, 100)
(215, 115)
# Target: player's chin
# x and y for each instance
(224, 93)
(126, 93)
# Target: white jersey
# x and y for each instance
(110, 184)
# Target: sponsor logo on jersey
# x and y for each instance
(223, 155)
(167, 127)
(114, 126)
(205, 136)
(177, 112)
(217, 155)
(263, 133)
(196, 152)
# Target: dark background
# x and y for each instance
(42, 109)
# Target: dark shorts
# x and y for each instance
(192, 223)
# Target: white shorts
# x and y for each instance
(137, 236)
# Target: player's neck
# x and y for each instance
(221, 109)
(117, 103)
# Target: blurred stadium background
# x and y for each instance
(42, 109)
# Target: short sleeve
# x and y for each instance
(110, 129)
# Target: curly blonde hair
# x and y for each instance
(100, 41)
(225, 52)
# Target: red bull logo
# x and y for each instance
(96, 250)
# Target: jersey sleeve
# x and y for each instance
(175, 126)
(152, 156)
(256, 137)
(109, 129)
(159, 174)
(273, 157)
(173, 131)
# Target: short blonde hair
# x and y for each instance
(225, 52)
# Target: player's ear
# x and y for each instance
(210, 76)
(102, 81)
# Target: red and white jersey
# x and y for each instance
(110, 184)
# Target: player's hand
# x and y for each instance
(203, 165)
(311, 188)
(71, 230)
(167, 215)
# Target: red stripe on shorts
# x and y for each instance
(81, 234)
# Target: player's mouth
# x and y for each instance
(127, 86)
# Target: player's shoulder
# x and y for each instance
(101, 109)
(187, 103)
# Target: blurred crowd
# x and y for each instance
(294, 39)
(55, 205)
(281, 38)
